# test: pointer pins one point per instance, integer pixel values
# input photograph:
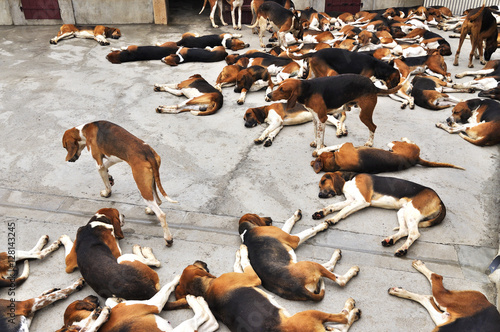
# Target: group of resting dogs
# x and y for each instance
(266, 257)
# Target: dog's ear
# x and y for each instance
(338, 184)
(292, 100)
(260, 114)
(317, 165)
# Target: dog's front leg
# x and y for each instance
(287, 227)
(275, 123)
(66, 35)
(453, 129)
(171, 88)
(348, 210)
(103, 172)
(101, 40)
(243, 95)
(221, 4)
(212, 14)
(203, 320)
(309, 233)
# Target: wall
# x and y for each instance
(5, 17)
(113, 11)
(382, 4)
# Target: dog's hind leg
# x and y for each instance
(402, 231)
(412, 217)
(287, 227)
(330, 265)
(202, 316)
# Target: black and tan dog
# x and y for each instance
(271, 253)
(465, 310)
(142, 53)
(98, 256)
(185, 54)
(325, 95)
(345, 157)
(9, 258)
(99, 33)
(236, 300)
(16, 316)
(417, 206)
(253, 78)
(203, 98)
(106, 140)
(277, 116)
(430, 92)
(476, 121)
(86, 315)
(229, 41)
(481, 25)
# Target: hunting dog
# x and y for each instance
(99, 33)
(325, 95)
(430, 92)
(214, 4)
(229, 41)
(185, 54)
(136, 315)
(98, 256)
(345, 157)
(476, 121)
(106, 140)
(9, 258)
(203, 98)
(253, 78)
(481, 25)
(452, 310)
(277, 116)
(236, 300)
(142, 53)
(417, 206)
(17, 315)
(271, 253)
(485, 79)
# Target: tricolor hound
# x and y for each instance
(16, 316)
(106, 140)
(136, 315)
(466, 310)
(417, 206)
(214, 4)
(203, 98)
(236, 300)
(345, 157)
(476, 121)
(271, 253)
(99, 33)
(103, 266)
(229, 41)
(9, 258)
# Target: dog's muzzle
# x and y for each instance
(250, 123)
(326, 194)
(74, 158)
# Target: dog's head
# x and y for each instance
(77, 312)
(111, 217)
(331, 184)
(251, 220)
(113, 33)
(463, 111)
(171, 60)
(192, 280)
(228, 75)
(289, 90)
(254, 116)
(74, 143)
(325, 162)
(234, 44)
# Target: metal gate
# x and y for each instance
(351, 6)
(41, 9)
(458, 7)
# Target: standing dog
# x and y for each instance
(106, 140)
(203, 99)
(417, 206)
(236, 300)
(452, 310)
(324, 95)
(476, 121)
(271, 253)
(98, 256)
(214, 4)
(99, 33)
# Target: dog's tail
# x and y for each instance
(479, 12)
(426, 163)
(254, 25)
(299, 57)
(436, 220)
(204, 4)
(155, 165)
(483, 141)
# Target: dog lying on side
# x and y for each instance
(236, 300)
(417, 206)
(271, 253)
(203, 99)
(135, 315)
(229, 41)
(7, 262)
(253, 78)
(485, 79)
(25, 310)
(345, 157)
(106, 140)
(142, 53)
(98, 256)
(185, 54)
(99, 33)
(430, 92)
(476, 121)
(452, 310)
(277, 116)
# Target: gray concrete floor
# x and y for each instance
(212, 167)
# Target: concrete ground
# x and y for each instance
(216, 172)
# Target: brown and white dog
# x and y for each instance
(325, 95)
(253, 78)
(9, 258)
(17, 315)
(214, 4)
(203, 98)
(277, 116)
(236, 300)
(417, 206)
(99, 33)
(452, 310)
(482, 28)
(98, 256)
(185, 54)
(485, 79)
(476, 121)
(135, 315)
(345, 157)
(430, 92)
(229, 41)
(281, 19)
(271, 253)
(106, 140)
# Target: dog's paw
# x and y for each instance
(401, 252)
(387, 243)
(258, 141)
(105, 193)
(318, 215)
(268, 143)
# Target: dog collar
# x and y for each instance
(242, 235)
(178, 53)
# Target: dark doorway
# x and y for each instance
(186, 12)
(351, 6)
(41, 9)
